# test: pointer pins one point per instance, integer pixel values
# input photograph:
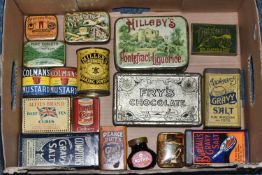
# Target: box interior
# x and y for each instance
(200, 11)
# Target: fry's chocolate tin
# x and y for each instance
(41, 27)
(93, 72)
(46, 115)
(35, 81)
(151, 43)
(63, 81)
(222, 98)
(157, 99)
(44, 54)
(82, 27)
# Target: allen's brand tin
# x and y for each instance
(63, 81)
(214, 39)
(93, 71)
(46, 115)
(44, 54)
(157, 99)
(151, 43)
(86, 115)
(216, 146)
(35, 81)
(86, 27)
(113, 148)
(41, 27)
(222, 98)
(68, 150)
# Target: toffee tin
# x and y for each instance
(157, 99)
(158, 43)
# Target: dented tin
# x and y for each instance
(222, 98)
(113, 148)
(157, 99)
(41, 27)
(46, 115)
(44, 54)
(158, 43)
(86, 115)
(65, 150)
(83, 27)
(35, 81)
(63, 81)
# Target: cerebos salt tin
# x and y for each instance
(63, 81)
(35, 81)
(93, 72)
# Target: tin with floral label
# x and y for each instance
(35, 81)
(93, 72)
(41, 27)
(145, 43)
(63, 81)
(86, 27)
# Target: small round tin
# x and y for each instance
(35, 81)
(63, 81)
(93, 72)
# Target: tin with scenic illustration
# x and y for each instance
(158, 43)
(93, 72)
(63, 81)
(87, 27)
(157, 99)
(41, 27)
(35, 81)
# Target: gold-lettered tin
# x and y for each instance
(222, 98)
(93, 72)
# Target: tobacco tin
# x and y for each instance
(216, 146)
(82, 27)
(113, 148)
(44, 54)
(41, 27)
(157, 99)
(151, 43)
(222, 98)
(70, 150)
(214, 39)
(86, 115)
(46, 115)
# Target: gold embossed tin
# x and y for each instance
(222, 98)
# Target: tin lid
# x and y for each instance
(137, 141)
(169, 137)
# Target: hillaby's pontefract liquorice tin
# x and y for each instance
(70, 150)
(222, 98)
(151, 43)
(113, 148)
(216, 146)
(86, 115)
(41, 27)
(63, 81)
(214, 39)
(157, 99)
(44, 54)
(93, 72)
(35, 81)
(82, 27)
(46, 115)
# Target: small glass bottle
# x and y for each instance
(141, 157)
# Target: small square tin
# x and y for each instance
(157, 99)
(46, 115)
(214, 39)
(66, 150)
(87, 27)
(222, 98)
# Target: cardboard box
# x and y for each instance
(243, 13)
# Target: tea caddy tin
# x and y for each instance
(145, 43)
(157, 99)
